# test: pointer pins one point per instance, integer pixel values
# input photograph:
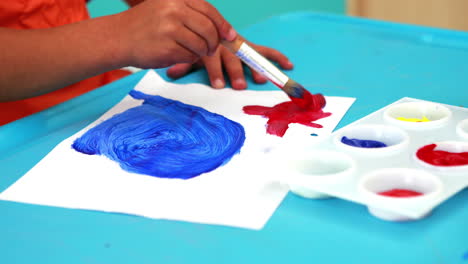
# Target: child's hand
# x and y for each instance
(160, 33)
(223, 59)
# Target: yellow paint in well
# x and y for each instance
(423, 119)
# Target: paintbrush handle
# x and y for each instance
(263, 66)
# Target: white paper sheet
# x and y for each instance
(242, 193)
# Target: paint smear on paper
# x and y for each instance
(440, 157)
(363, 143)
(423, 119)
(164, 138)
(283, 114)
(400, 193)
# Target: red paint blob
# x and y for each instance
(302, 111)
(309, 101)
(440, 157)
(400, 193)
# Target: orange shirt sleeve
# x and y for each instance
(33, 14)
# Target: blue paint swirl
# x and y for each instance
(164, 138)
(362, 143)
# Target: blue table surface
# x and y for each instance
(376, 62)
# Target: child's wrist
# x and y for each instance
(117, 47)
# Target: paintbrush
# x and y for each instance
(296, 92)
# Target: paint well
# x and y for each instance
(423, 119)
(362, 143)
(429, 155)
(400, 193)
(164, 138)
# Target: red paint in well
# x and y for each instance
(400, 193)
(302, 111)
(440, 157)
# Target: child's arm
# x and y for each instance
(153, 34)
(34, 62)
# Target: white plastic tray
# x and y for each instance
(333, 169)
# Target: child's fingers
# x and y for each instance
(183, 54)
(233, 66)
(191, 41)
(203, 27)
(275, 56)
(257, 77)
(214, 68)
(179, 70)
(226, 31)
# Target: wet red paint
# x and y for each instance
(302, 111)
(440, 157)
(309, 101)
(400, 193)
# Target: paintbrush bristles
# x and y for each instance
(303, 98)
(294, 89)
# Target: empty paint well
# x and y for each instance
(394, 138)
(315, 168)
(462, 129)
(447, 157)
(404, 114)
(373, 184)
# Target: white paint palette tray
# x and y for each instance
(332, 168)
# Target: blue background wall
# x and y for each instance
(240, 13)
